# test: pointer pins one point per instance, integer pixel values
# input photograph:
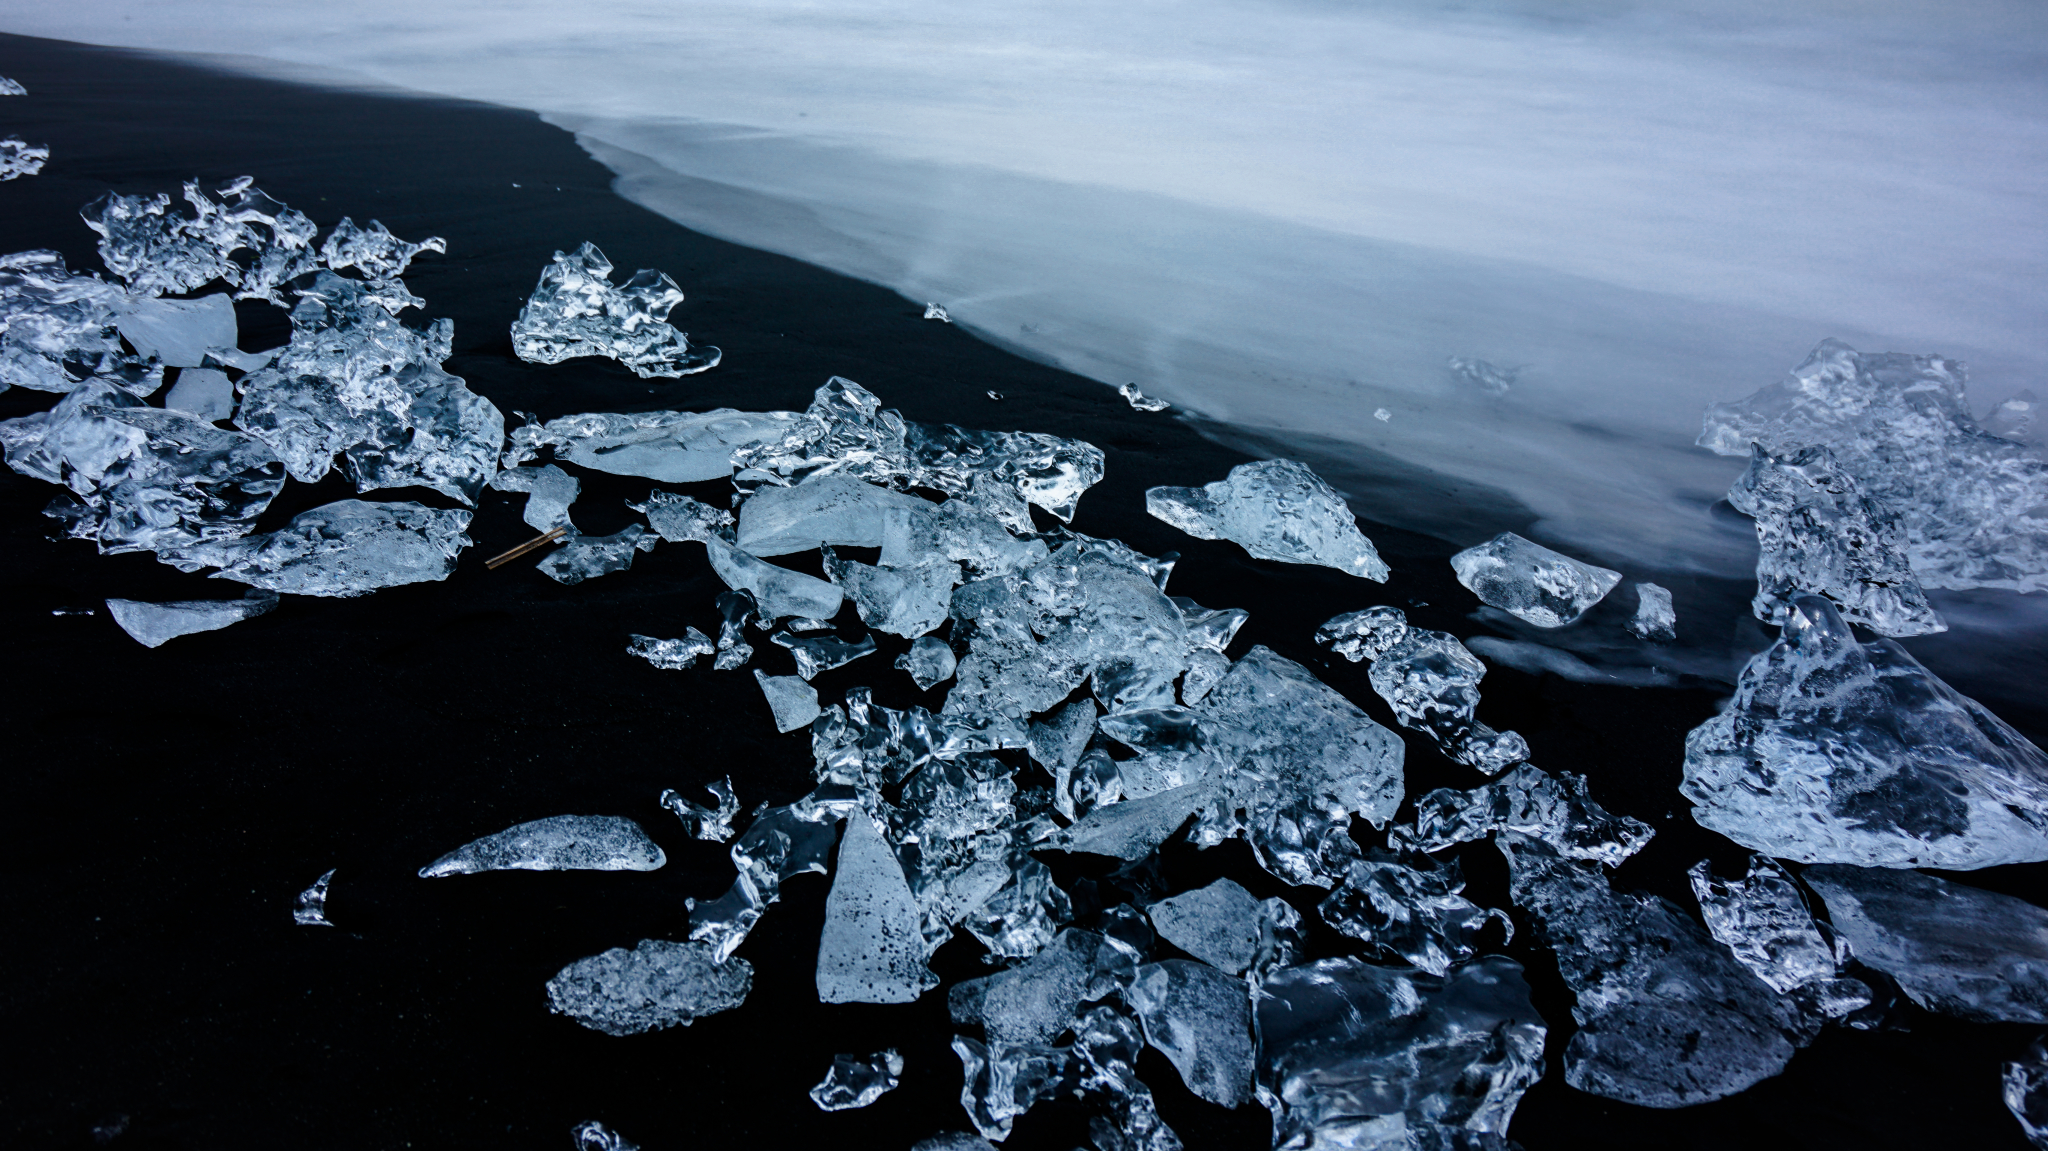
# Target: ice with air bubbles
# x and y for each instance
(558, 843)
(1532, 582)
(576, 310)
(1275, 510)
(659, 983)
(346, 548)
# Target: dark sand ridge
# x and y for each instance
(169, 803)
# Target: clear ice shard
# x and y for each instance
(672, 654)
(736, 609)
(873, 949)
(2017, 419)
(680, 519)
(1490, 379)
(1140, 401)
(858, 1080)
(779, 592)
(595, 1136)
(930, 662)
(1832, 751)
(831, 509)
(19, 158)
(1959, 950)
(549, 492)
(157, 250)
(345, 548)
(1901, 426)
(1352, 1054)
(1135, 828)
(575, 310)
(901, 601)
(557, 843)
(823, 653)
(1058, 740)
(1763, 920)
(708, 824)
(959, 531)
(373, 251)
(672, 447)
(1531, 582)
(657, 984)
(2025, 1083)
(156, 624)
(1200, 1019)
(1411, 907)
(1217, 924)
(1529, 802)
(1364, 635)
(1655, 618)
(57, 328)
(310, 908)
(583, 557)
(177, 333)
(783, 842)
(997, 1084)
(1818, 534)
(1033, 1002)
(1430, 680)
(935, 312)
(794, 702)
(11, 87)
(203, 392)
(1276, 510)
(1210, 630)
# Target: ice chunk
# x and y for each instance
(1362, 635)
(373, 251)
(1200, 1019)
(815, 654)
(673, 447)
(155, 624)
(595, 1136)
(18, 157)
(345, 548)
(953, 1140)
(1430, 680)
(901, 601)
(157, 250)
(203, 392)
(2026, 1092)
(779, 592)
(736, 609)
(1834, 751)
(1217, 924)
(935, 312)
(1489, 379)
(872, 950)
(582, 557)
(57, 328)
(679, 518)
(1035, 1001)
(930, 662)
(714, 826)
(550, 491)
(1764, 921)
(1818, 534)
(1382, 414)
(576, 311)
(857, 1080)
(656, 984)
(177, 332)
(1086, 784)
(2017, 419)
(672, 654)
(1655, 618)
(1531, 582)
(955, 530)
(783, 842)
(557, 843)
(1531, 802)
(1140, 400)
(1210, 630)
(794, 702)
(310, 909)
(827, 510)
(1962, 951)
(1277, 510)
(1058, 740)
(1901, 426)
(998, 1084)
(1411, 907)
(1356, 1055)
(11, 87)
(1133, 828)
(1206, 669)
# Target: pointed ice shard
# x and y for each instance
(857, 1080)
(935, 312)
(177, 332)
(815, 653)
(997, 469)
(1411, 907)
(558, 843)
(1531, 582)
(656, 984)
(1834, 751)
(550, 491)
(1058, 740)
(11, 87)
(310, 909)
(833, 509)
(736, 609)
(1217, 924)
(1133, 828)
(779, 592)
(1655, 618)
(1962, 951)
(155, 624)
(1818, 534)
(680, 519)
(584, 557)
(1210, 630)
(345, 548)
(1086, 784)
(672, 654)
(1140, 401)
(794, 702)
(203, 392)
(901, 601)
(930, 662)
(2026, 1092)
(783, 842)
(672, 447)
(702, 822)
(872, 950)
(1531, 802)
(1764, 922)
(18, 157)
(1430, 680)
(1277, 510)
(595, 1136)
(576, 311)
(1200, 1019)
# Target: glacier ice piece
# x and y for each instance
(935, 312)
(1059, 739)
(1364, 635)
(1276, 510)
(11, 87)
(1352, 1054)
(783, 842)
(57, 328)
(873, 949)
(901, 601)
(955, 530)
(595, 1136)
(549, 492)
(582, 557)
(1206, 669)
(1035, 1001)
(831, 509)
(373, 251)
(672, 447)
(1139, 400)
(1217, 924)
(1531, 582)
(1763, 920)
(1901, 426)
(2017, 419)
(858, 1080)
(711, 825)
(930, 662)
(203, 392)
(1200, 1019)
(1086, 784)
(2025, 1091)
(575, 310)
(794, 702)
(736, 609)
(18, 157)
(157, 250)
(1382, 414)
(1834, 751)
(156, 624)
(1527, 801)
(953, 1140)
(1430, 680)
(1959, 950)
(672, 654)
(781, 593)
(1490, 379)
(310, 908)
(557, 843)
(1655, 618)
(345, 548)
(823, 653)
(1133, 828)
(1411, 907)
(1818, 534)
(657, 984)
(679, 519)
(1209, 630)
(997, 1084)
(177, 332)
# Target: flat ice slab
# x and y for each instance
(558, 843)
(156, 624)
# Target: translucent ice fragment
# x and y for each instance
(1352, 1054)
(953, 1140)
(57, 328)
(576, 311)
(783, 842)
(11, 87)
(373, 251)
(550, 491)
(345, 548)
(672, 654)
(1432, 683)
(823, 653)
(595, 1136)
(656, 984)
(1217, 924)
(1531, 802)
(996, 469)
(1382, 414)
(204, 392)
(673, 447)
(678, 518)
(1140, 400)
(177, 332)
(901, 601)
(1962, 951)
(1000, 1083)
(1764, 921)
(582, 557)
(857, 1080)
(1833, 751)
(1655, 618)
(1362, 635)
(711, 825)
(1036, 1000)
(1086, 784)
(736, 609)
(1411, 907)
(155, 624)
(930, 662)
(1489, 379)
(779, 592)
(1133, 828)
(18, 157)
(955, 530)
(935, 312)
(2017, 419)
(157, 250)
(2025, 1083)
(310, 909)
(831, 509)
(1531, 582)
(1818, 534)
(1058, 740)
(872, 950)
(794, 702)
(1277, 510)
(557, 843)
(1206, 669)
(1200, 1019)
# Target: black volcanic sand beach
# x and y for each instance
(166, 805)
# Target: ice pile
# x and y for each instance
(1834, 751)
(856, 1081)
(1275, 510)
(156, 624)
(575, 310)
(1531, 582)
(558, 843)
(1429, 679)
(18, 158)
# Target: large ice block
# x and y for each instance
(1200, 1019)
(156, 624)
(780, 592)
(20, 158)
(654, 985)
(672, 447)
(1531, 582)
(1276, 510)
(575, 310)
(557, 843)
(955, 530)
(857, 1080)
(345, 548)
(872, 950)
(833, 509)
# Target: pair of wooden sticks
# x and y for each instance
(532, 545)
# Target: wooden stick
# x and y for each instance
(537, 542)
